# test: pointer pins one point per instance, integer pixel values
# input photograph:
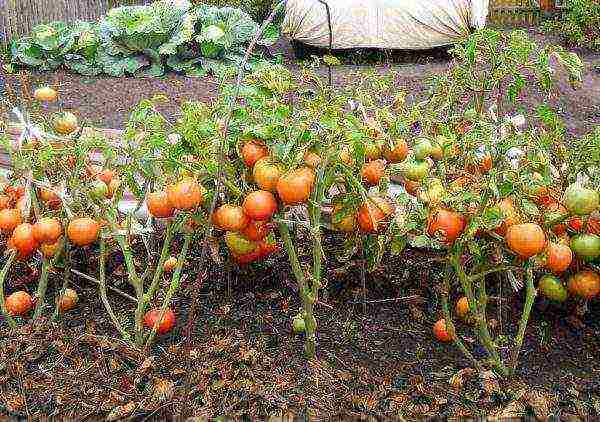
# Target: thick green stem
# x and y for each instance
(175, 280)
(137, 284)
(529, 299)
(41, 290)
(450, 327)
(164, 254)
(9, 319)
(477, 309)
(66, 280)
(308, 299)
(103, 294)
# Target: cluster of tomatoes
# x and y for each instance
(567, 238)
(248, 226)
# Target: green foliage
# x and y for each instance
(580, 24)
(258, 9)
(145, 40)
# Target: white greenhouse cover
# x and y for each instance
(386, 24)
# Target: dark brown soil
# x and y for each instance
(247, 363)
(376, 365)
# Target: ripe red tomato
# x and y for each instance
(18, 303)
(260, 205)
(526, 240)
(23, 239)
(441, 333)
(558, 257)
(575, 224)
(373, 171)
(266, 174)
(230, 218)
(165, 325)
(47, 230)
(9, 219)
(83, 231)
(158, 204)
(252, 151)
(185, 195)
(295, 187)
(256, 230)
(68, 300)
(445, 224)
(373, 214)
(397, 153)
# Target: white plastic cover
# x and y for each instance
(386, 24)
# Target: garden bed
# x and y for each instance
(382, 363)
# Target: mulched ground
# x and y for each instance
(245, 362)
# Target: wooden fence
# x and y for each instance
(17, 17)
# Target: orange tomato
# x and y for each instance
(585, 284)
(166, 323)
(260, 205)
(373, 171)
(446, 224)
(252, 151)
(185, 195)
(83, 231)
(9, 219)
(266, 174)
(295, 187)
(47, 230)
(230, 218)
(526, 240)
(18, 303)
(558, 257)
(158, 205)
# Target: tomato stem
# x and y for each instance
(160, 266)
(530, 295)
(450, 327)
(41, 290)
(175, 280)
(11, 258)
(104, 296)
